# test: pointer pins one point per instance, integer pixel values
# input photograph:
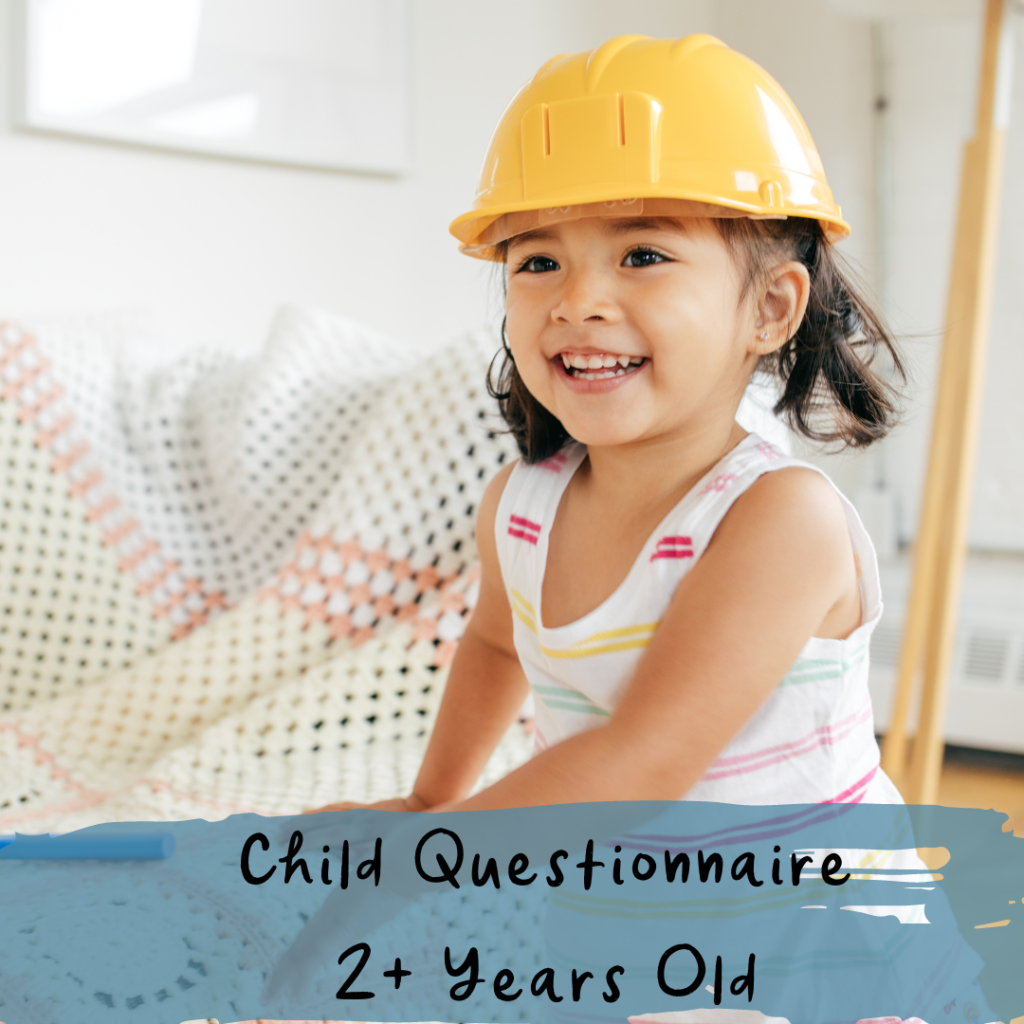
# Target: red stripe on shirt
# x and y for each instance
(522, 535)
(520, 521)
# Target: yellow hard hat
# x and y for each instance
(664, 127)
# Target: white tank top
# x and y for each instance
(811, 741)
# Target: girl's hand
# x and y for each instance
(401, 803)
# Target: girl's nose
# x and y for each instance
(585, 299)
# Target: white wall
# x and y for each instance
(935, 65)
(213, 246)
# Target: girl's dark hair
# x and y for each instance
(830, 391)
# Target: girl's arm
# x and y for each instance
(486, 685)
(485, 689)
(780, 562)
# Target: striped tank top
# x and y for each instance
(811, 741)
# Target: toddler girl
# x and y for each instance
(690, 607)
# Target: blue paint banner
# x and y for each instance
(576, 913)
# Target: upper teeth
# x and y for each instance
(598, 362)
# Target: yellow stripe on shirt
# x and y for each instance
(609, 634)
(625, 645)
(524, 618)
(524, 611)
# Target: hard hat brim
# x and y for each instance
(480, 233)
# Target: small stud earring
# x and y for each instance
(763, 336)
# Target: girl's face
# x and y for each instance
(631, 330)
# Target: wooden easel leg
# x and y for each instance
(926, 551)
(927, 764)
(930, 626)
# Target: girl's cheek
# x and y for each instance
(513, 316)
(522, 328)
(523, 353)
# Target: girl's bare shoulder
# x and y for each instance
(795, 513)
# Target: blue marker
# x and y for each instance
(88, 846)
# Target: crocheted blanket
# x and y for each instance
(235, 584)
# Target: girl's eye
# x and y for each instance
(539, 265)
(643, 258)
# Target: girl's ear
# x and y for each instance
(781, 308)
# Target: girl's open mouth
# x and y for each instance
(600, 366)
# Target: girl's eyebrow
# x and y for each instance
(622, 226)
(535, 235)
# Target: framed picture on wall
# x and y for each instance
(315, 83)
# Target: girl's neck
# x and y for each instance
(660, 471)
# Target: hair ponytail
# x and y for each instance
(831, 390)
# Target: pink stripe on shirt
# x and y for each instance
(824, 736)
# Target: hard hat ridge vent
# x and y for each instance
(685, 46)
(600, 58)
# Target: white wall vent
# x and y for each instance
(986, 686)
(987, 656)
(885, 646)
